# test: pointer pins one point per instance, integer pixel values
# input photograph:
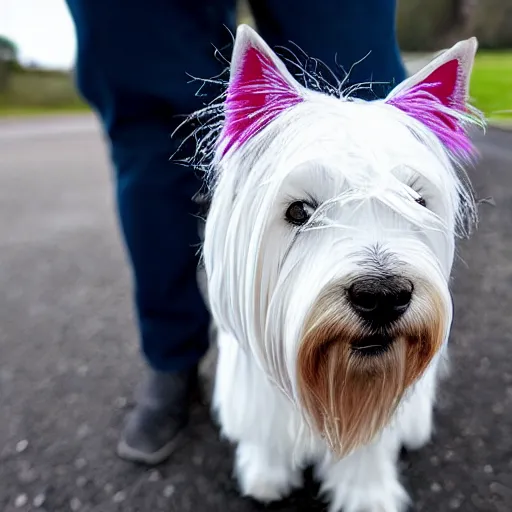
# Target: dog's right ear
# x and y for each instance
(437, 97)
(260, 88)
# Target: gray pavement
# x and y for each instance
(69, 358)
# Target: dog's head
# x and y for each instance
(330, 238)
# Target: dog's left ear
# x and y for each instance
(260, 88)
(437, 96)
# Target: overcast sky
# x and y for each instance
(42, 29)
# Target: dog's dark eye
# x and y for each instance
(421, 201)
(298, 213)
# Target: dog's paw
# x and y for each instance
(262, 479)
(418, 426)
(417, 437)
(387, 495)
(265, 488)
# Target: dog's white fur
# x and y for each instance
(364, 163)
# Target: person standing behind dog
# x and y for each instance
(134, 62)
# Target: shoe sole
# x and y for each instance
(126, 452)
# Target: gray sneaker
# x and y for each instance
(154, 428)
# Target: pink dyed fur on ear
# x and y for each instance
(260, 88)
(437, 96)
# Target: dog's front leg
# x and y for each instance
(366, 480)
(415, 418)
(264, 474)
(253, 414)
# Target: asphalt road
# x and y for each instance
(69, 358)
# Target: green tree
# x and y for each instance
(492, 23)
(430, 26)
(8, 60)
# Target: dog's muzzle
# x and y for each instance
(360, 351)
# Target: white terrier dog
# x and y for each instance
(328, 250)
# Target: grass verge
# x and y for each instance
(33, 92)
(491, 85)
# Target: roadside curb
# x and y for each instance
(504, 126)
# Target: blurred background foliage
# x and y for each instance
(424, 27)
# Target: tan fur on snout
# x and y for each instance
(351, 397)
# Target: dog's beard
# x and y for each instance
(351, 393)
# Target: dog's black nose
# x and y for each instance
(380, 300)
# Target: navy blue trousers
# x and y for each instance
(134, 63)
